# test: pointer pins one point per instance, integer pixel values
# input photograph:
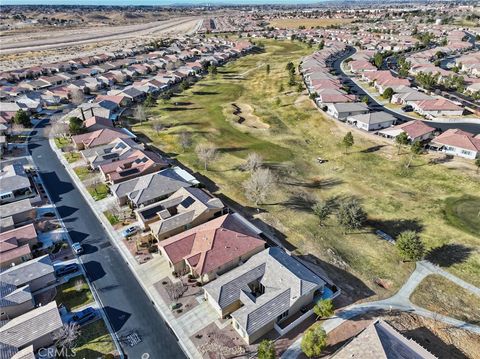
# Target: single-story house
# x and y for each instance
(372, 121)
(153, 187)
(118, 149)
(21, 212)
(38, 273)
(458, 143)
(437, 107)
(184, 209)
(38, 328)
(212, 248)
(14, 301)
(100, 137)
(416, 130)
(95, 123)
(16, 184)
(341, 111)
(16, 245)
(267, 289)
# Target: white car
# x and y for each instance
(77, 248)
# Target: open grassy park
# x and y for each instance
(244, 109)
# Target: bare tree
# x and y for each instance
(157, 126)
(77, 97)
(78, 285)
(175, 290)
(259, 185)
(253, 162)
(206, 153)
(66, 336)
(59, 129)
(185, 140)
(139, 113)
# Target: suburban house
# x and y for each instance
(153, 187)
(372, 121)
(406, 98)
(16, 184)
(95, 123)
(266, 290)
(184, 209)
(14, 301)
(437, 107)
(38, 273)
(416, 130)
(341, 111)
(380, 341)
(118, 149)
(212, 248)
(138, 163)
(16, 245)
(37, 328)
(458, 143)
(17, 213)
(100, 137)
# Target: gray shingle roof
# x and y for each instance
(284, 278)
(10, 295)
(26, 272)
(373, 117)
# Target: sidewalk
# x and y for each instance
(140, 274)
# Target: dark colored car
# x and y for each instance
(84, 316)
(407, 108)
(68, 269)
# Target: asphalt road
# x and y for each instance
(469, 127)
(126, 305)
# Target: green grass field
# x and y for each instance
(298, 133)
(99, 191)
(440, 295)
(82, 172)
(74, 294)
(94, 342)
(464, 213)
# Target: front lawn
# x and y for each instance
(94, 342)
(72, 156)
(62, 142)
(99, 191)
(442, 296)
(83, 172)
(112, 218)
(74, 294)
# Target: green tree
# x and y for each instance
(378, 59)
(290, 67)
(21, 118)
(267, 69)
(410, 246)
(348, 141)
(388, 93)
(365, 99)
(401, 140)
(314, 340)
(323, 308)
(75, 125)
(321, 45)
(150, 101)
(300, 87)
(266, 350)
(322, 210)
(415, 149)
(351, 214)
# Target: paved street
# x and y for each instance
(126, 305)
(375, 106)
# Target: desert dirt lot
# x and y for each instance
(394, 198)
(15, 44)
(308, 23)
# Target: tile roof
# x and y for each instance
(458, 138)
(415, 128)
(212, 244)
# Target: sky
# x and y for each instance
(152, 2)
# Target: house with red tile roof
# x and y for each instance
(212, 248)
(95, 123)
(437, 107)
(416, 130)
(458, 143)
(361, 66)
(99, 137)
(138, 163)
(16, 245)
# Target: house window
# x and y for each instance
(466, 152)
(282, 316)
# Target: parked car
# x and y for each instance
(84, 316)
(77, 248)
(130, 231)
(68, 269)
(407, 108)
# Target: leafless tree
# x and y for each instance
(77, 97)
(118, 212)
(59, 129)
(157, 126)
(66, 336)
(139, 113)
(185, 140)
(259, 185)
(16, 128)
(175, 290)
(206, 153)
(253, 162)
(78, 285)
